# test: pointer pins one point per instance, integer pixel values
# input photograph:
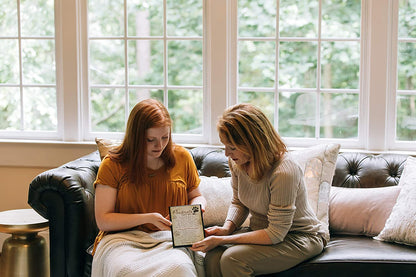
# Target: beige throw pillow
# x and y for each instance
(104, 145)
(401, 225)
(360, 211)
(318, 164)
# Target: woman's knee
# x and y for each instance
(234, 263)
(212, 260)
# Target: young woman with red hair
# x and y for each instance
(135, 185)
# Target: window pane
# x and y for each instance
(256, 18)
(297, 64)
(256, 65)
(9, 108)
(137, 95)
(145, 62)
(37, 17)
(28, 95)
(9, 65)
(185, 63)
(145, 18)
(406, 117)
(297, 113)
(406, 66)
(263, 100)
(38, 61)
(341, 18)
(407, 18)
(105, 18)
(340, 65)
(184, 17)
(339, 115)
(106, 62)
(186, 110)
(8, 18)
(151, 63)
(107, 110)
(40, 111)
(298, 18)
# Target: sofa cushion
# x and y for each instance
(401, 225)
(318, 165)
(360, 211)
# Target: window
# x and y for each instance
(145, 49)
(406, 72)
(322, 70)
(28, 93)
(300, 62)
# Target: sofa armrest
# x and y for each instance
(65, 196)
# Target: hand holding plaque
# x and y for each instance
(187, 224)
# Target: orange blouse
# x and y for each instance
(162, 188)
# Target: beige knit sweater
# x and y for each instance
(277, 203)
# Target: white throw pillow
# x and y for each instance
(218, 193)
(318, 164)
(401, 225)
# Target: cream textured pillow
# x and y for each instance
(360, 211)
(401, 225)
(218, 193)
(104, 145)
(318, 164)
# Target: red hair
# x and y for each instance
(146, 114)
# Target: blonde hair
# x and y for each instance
(248, 129)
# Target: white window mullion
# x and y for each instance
(392, 79)
(232, 51)
(68, 70)
(216, 42)
(378, 74)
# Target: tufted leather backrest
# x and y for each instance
(353, 169)
(210, 161)
(360, 170)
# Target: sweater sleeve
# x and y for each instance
(237, 212)
(284, 185)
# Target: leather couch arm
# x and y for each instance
(65, 196)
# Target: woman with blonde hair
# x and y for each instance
(135, 185)
(267, 184)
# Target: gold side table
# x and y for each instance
(25, 253)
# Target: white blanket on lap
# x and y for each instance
(136, 253)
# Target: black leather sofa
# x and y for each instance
(65, 196)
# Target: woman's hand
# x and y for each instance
(216, 231)
(206, 244)
(214, 238)
(162, 223)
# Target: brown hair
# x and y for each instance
(248, 129)
(146, 114)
